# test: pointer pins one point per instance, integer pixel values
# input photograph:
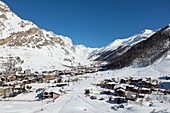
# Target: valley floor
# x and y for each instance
(74, 101)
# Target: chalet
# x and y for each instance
(134, 81)
(25, 82)
(131, 88)
(49, 77)
(145, 90)
(131, 96)
(6, 91)
(20, 77)
(120, 86)
(19, 88)
(140, 95)
(51, 93)
(110, 85)
(154, 85)
(11, 78)
(38, 78)
(60, 72)
(144, 83)
(124, 80)
(120, 92)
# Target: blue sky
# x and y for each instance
(94, 23)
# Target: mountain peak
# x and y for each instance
(147, 31)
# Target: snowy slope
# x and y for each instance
(129, 41)
(106, 52)
(37, 48)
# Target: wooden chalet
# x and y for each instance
(131, 88)
(110, 85)
(11, 78)
(124, 80)
(145, 90)
(19, 88)
(120, 92)
(51, 93)
(6, 91)
(131, 96)
(49, 77)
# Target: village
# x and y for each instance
(51, 83)
(90, 86)
(121, 91)
(104, 86)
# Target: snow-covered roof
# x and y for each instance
(110, 83)
(54, 90)
(123, 90)
(145, 88)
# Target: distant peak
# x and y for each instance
(146, 31)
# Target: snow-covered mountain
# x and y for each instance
(140, 50)
(140, 53)
(129, 41)
(126, 43)
(28, 46)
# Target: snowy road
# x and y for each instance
(76, 102)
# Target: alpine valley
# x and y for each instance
(42, 72)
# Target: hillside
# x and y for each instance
(144, 51)
(23, 44)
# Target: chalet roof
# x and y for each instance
(154, 83)
(53, 89)
(18, 86)
(140, 94)
(144, 79)
(111, 83)
(125, 78)
(145, 88)
(123, 86)
(135, 87)
(130, 85)
(123, 90)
